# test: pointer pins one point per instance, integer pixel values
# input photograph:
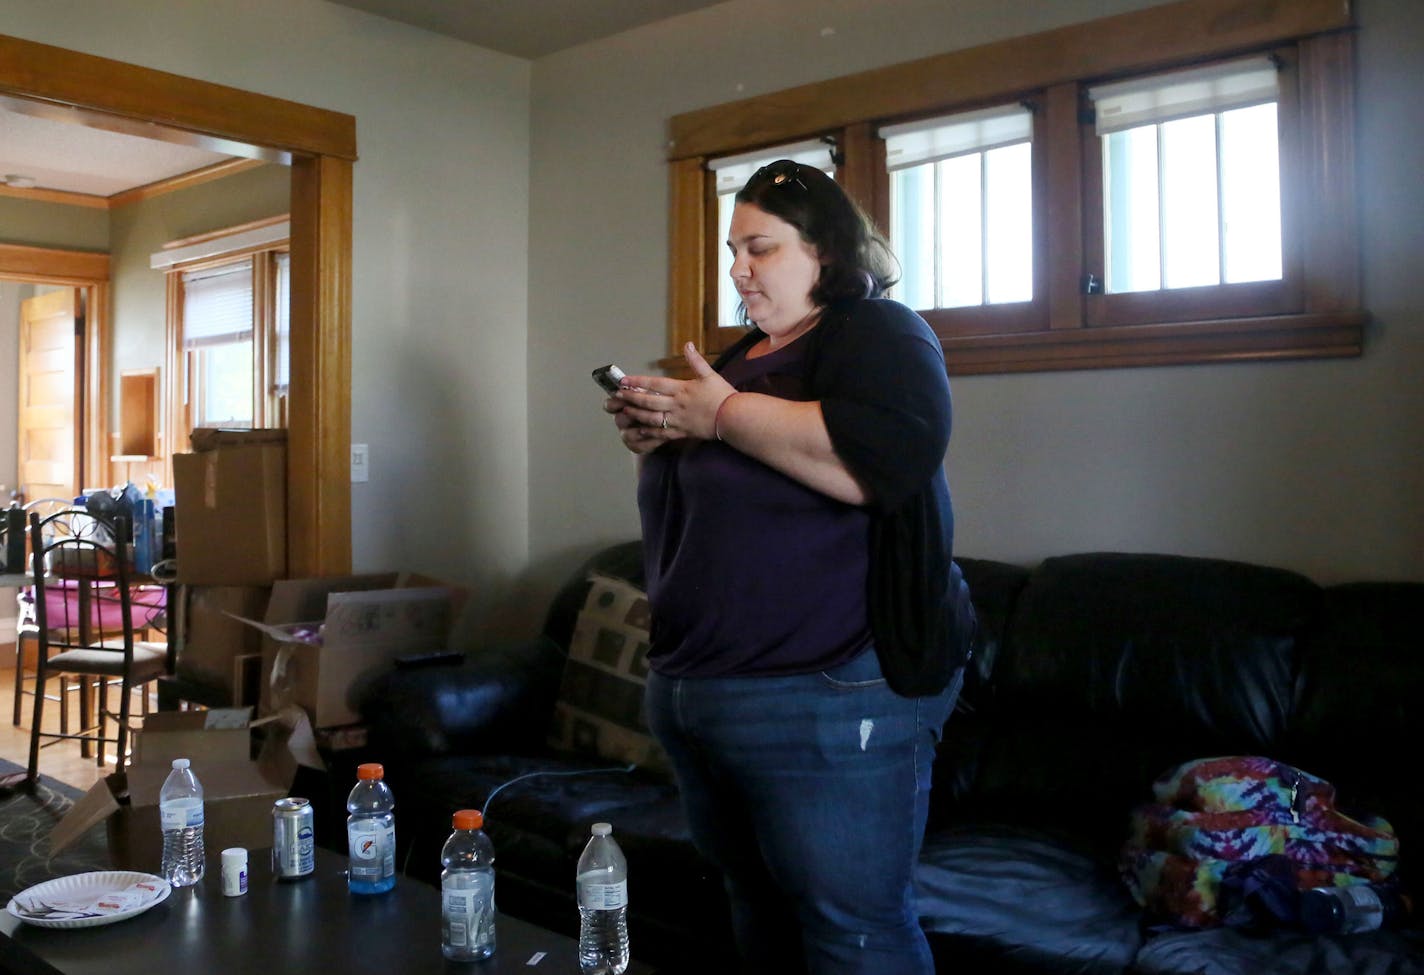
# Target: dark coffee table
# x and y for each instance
(311, 925)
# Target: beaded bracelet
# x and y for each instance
(717, 417)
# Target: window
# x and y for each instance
(1191, 177)
(229, 322)
(1189, 171)
(1157, 187)
(217, 345)
(234, 326)
(961, 215)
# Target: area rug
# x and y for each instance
(26, 818)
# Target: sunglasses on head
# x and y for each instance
(781, 173)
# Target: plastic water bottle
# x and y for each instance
(1353, 908)
(603, 905)
(180, 810)
(467, 890)
(371, 833)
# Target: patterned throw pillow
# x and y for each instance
(599, 710)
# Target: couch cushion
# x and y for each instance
(1230, 951)
(995, 898)
(538, 808)
(599, 710)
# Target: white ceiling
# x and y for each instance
(66, 156)
(62, 155)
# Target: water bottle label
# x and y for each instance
(181, 813)
(373, 850)
(467, 914)
(603, 897)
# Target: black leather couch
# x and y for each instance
(1094, 674)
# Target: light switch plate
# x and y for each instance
(360, 463)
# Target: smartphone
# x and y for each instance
(608, 378)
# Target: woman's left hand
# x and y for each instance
(670, 409)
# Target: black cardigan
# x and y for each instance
(878, 372)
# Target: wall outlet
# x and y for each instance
(360, 463)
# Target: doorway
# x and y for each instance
(51, 383)
(321, 147)
(83, 276)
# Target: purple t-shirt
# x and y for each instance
(748, 571)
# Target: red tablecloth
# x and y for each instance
(146, 603)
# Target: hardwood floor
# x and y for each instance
(61, 760)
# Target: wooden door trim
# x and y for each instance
(321, 146)
(48, 265)
(132, 98)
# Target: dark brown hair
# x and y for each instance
(856, 262)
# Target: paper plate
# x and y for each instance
(32, 905)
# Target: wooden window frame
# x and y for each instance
(1314, 313)
(268, 408)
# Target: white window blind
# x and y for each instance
(217, 305)
(734, 171)
(930, 140)
(1197, 91)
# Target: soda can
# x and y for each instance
(293, 852)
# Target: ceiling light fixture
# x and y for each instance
(18, 181)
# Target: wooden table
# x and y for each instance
(310, 925)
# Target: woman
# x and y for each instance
(797, 537)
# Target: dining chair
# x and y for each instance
(26, 631)
(87, 616)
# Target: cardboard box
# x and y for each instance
(214, 648)
(231, 508)
(364, 622)
(238, 791)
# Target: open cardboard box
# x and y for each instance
(238, 791)
(363, 623)
(215, 649)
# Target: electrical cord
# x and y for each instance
(529, 775)
(410, 850)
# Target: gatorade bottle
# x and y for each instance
(467, 890)
(371, 833)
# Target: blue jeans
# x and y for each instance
(810, 792)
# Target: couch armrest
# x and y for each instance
(499, 699)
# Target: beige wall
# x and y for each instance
(440, 275)
(36, 224)
(1316, 466)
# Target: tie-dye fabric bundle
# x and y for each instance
(1211, 814)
